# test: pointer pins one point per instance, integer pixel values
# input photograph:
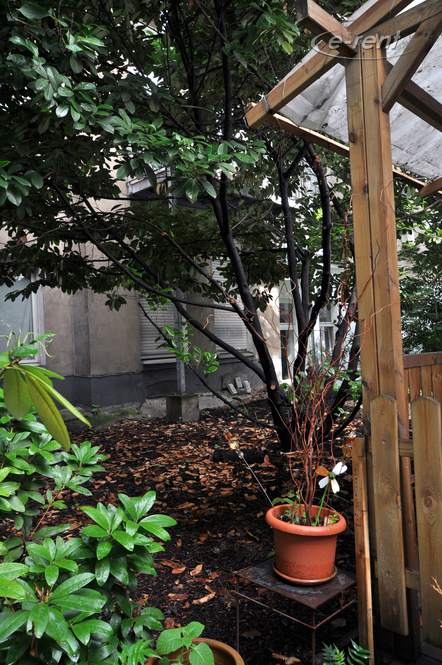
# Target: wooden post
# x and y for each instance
(362, 544)
(377, 269)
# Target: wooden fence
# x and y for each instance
(378, 501)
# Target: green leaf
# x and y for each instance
(51, 574)
(48, 412)
(64, 402)
(16, 394)
(33, 11)
(102, 519)
(201, 654)
(62, 110)
(40, 617)
(12, 623)
(169, 640)
(36, 180)
(244, 157)
(58, 629)
(103, 549)
(102, 570)
(118, 568)
(124, 539)
(192, 190)
(210, 189)
(72, 584)
(94, 531)
(10, 589)
(83, 603)
(193, 629)
(9, 571)
(51, 530)
(83, 630)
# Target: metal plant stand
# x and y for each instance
(312, 597)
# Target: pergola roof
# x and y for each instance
(322, 107)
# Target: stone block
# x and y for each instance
(182, 407)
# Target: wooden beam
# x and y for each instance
(317, 63)
(414, 53)
(431, 188)
(405, 24)
(322, 24)
(419, 102)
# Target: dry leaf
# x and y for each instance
(196, 570)
(177, 571)
(203, 537)
(182, 506)
(178, 596)
(167, 563)
(169, 623)
(251, 633)
(288, 660)
(204, 599)
(179, 542)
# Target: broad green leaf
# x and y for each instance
(83, 630)
(63, 401)
(193, 629)
(51, 574)
(118, 568)
(129, 505)
(40, 616)
(201, 654)
(192, 190)
(83, 603)
(36, 180)
(124, 539)
(94, 531)
(58, 629)
(102, 570)
(72, 584)
(33, 11)
(10, 589)
(169, 640)
(210, 189)
(16, 394)
(155, 530)
(103, 549)
(4, 472)
(47, 411)
(244, 157)
(51, 530)
(12, 623)
(99, 517)
(9, 571)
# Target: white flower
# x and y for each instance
(337, 470)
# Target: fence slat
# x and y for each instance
(414, 382)
(388, 512)
(362, 544)
(436, 372)
(427, 443)
(426, 381)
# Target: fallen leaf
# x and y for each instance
(169, 623)
(196, 570)
(204, 599)
(251, 633)
(167, 563)
(182, 506)
(203, 537)
(179, 542)
(177, 571)
(178, 596)
(288, 660)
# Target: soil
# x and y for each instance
(221, 526)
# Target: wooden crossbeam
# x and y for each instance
(407, 23)
(279, 121)
(321, 23)
(418, 101)
(431, 188)
(318, 63)
(414, 53)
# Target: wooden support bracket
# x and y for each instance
(431, 188)
(322, 24)
(412, 56)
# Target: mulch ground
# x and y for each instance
(220, 527)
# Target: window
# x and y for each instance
(326, 330)
(286, 330)
(21, 316)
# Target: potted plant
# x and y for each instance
(64, 599)
(305, 534)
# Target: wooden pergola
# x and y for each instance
(389, 523)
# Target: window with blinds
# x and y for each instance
(228, 326)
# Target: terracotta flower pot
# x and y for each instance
(304, 554)
(222, 654)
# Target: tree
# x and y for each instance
(95, 92)
(421, 280)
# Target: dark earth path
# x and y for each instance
(220, 524)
